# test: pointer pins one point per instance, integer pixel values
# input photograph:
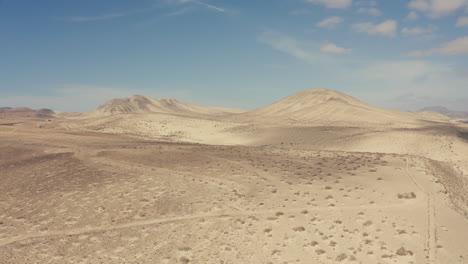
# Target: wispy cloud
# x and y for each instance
(437, 8)
(387, 28)
(332, 3)
(462, 21)
(330, 22)
(212, 7)
(403, 71)
(419, 77)
(420, 32)
(287, 45)
(311, 53)
(333, 48)
(199, 3)
(366, 3)
(412, 16)
(456, 47)
(181, 11)
(185, 8)
(370, 10)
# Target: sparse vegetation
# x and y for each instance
(320, 251)
(410, 195)
(341, 257)
(299, 229)
(403, 252)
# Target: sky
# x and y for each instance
(76, 55)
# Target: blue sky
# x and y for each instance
(75, 55)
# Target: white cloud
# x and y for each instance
(132, 12)
(332, 48)
(456, 47)
(462, 22)
(212, 7)
(387, 28)
(412, 16)
(366, 3)
(370, 10)
(332, 3)
(395, 78)
(437, 8)
(330, 22)
(286, 44)
(199, 3)
(403, 71)
(425, 32)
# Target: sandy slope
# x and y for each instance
(69, 197)
(315, 119)
(138, 104)
(322, 106)
(318, 177)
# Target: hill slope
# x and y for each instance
(446, 111)
(24, 112)
(138, 104)
(327, 106)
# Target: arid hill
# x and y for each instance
(445, 111)
(138, 104)
(323, 106)
(24, 112)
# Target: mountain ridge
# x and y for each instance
(445, 111)
(139, 104)
(329, 106)
(25, 112)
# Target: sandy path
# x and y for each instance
(431, 249)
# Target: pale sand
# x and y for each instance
(355, 185)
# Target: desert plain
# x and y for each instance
(318, 177)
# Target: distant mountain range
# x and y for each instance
(445, 111)
(138, 104)
(24, 112)
(319, 106)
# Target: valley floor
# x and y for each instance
(83, 197)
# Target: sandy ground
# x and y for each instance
(269, 194)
